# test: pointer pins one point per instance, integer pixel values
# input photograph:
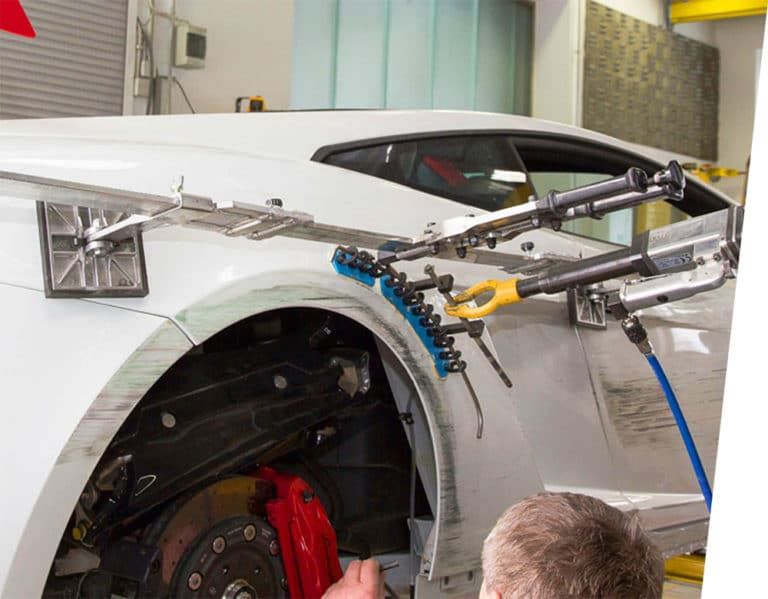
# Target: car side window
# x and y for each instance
(481, 171)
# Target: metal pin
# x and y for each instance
(389, 566)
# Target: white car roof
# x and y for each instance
(296, 134)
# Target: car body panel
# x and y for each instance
(565, 423)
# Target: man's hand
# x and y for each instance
(362, 580)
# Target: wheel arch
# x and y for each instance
(406, 360)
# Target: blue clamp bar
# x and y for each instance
(341, 267)
(415, 322)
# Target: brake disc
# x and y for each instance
(217, 544)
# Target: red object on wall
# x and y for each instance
(14, 20)
(307, 539)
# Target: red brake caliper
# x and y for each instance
(307, 539)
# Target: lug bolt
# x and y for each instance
(195, 581)
(218, 545)
(249, 532)
(274, 548)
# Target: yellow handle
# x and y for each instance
(504, 293)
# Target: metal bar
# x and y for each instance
(709, 10)
(56, 191)
(584, 272)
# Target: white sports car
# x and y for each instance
(155, 390)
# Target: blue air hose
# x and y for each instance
(682, 425)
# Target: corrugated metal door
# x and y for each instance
(74, 67)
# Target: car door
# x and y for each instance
(691, 338)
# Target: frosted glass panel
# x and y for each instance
(455, 55)
(462, 54)
(360, 69)
(314, 54)
(494, 56)
(409, 73)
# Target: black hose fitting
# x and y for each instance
(636, 333)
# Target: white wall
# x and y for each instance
(738, 40)
(249, 52)
(556, 86)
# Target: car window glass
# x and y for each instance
(616, 227)
(482, 171)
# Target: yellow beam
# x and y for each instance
(687, 11)
(685, 568)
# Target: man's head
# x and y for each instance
(564, 544)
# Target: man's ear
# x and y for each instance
(487, 593)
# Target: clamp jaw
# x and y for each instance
(504, 294)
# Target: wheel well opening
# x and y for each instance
(301, 390)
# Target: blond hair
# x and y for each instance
(569, 545)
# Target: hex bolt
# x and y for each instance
(274, 548)
(257, 570)
(249, 532)
(527, 246)
(219, 544)
(717, 257)
(168, 420)
(195, 581)
(700, 261)
(280, 381)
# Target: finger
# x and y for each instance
(353, 570)
(370, 574)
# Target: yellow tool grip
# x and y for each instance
(504, 293)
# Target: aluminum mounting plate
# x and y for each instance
(70, 271)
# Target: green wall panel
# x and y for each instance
(461, 54)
